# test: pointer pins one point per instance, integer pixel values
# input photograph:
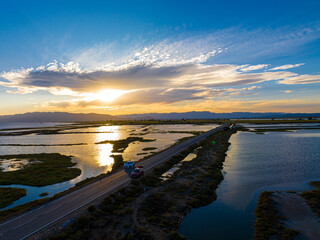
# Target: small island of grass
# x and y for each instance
(149, 148)
(313, 197)
(43, 169)
(143, 153)
(122, 144)
(269, 223)
(9, 195)
(43, 194)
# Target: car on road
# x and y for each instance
(138, 172)
(128, 164)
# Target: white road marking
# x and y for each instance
(24, 223)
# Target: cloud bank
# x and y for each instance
(166, 72)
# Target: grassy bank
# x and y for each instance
(152, 209)
(5, 214)
(157, 122)
(43, 169)
(268, 223)
(122, 144)
(44, 145)
(313, 197)
(275, 121)
(264, 130)
(9, 195)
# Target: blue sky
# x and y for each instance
(162, 56)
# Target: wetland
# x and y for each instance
(79, 143)
(275, 160)
(262, 157)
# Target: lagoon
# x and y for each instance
(93, 159)
(254, 163)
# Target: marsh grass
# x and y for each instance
(43, 169)
(122, 144)
(275, 121)
(44, 145)
(313, 197)
(269, 223)
(5, 214)
(196, 133)
(115, 205)
(149, 148)
(9, 195)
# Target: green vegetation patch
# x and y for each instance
(43, 169)
(313, 197)
(144, 153)
(113, 206)
(262, 130)
(9, 195)
(155, 122)
(9, 213)
(122, 144)
(196, 133)
(43, 194)
(275, 121)
(5, 214)
(268, 223)
(43, 145)
(155, 205)
(149, 148)
(118, 162)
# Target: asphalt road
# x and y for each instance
(27, 224)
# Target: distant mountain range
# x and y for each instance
(55, 117)
(210, 115)
(80, 117)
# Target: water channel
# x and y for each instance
(254, 163)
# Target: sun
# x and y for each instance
(108, 95)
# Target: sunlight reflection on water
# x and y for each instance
(105, 150)
(94, 159)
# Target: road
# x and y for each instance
(27, 224)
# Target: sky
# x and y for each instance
(125, 57)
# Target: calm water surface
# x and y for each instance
(30, 125)
(94, 159)
(255, 162)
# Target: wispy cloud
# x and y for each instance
(167, 52)
(288, 66)
(254, 67)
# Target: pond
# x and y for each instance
(254, 163)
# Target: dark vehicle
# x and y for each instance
(138, 172)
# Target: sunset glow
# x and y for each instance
(203, 58)
(108, 95)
